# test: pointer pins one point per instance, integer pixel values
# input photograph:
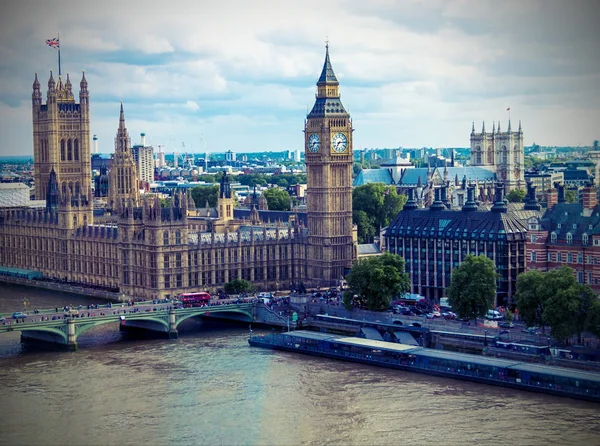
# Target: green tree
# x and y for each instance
(516, 195)
(366, 226)
(379, 202)
(473, 287)
(571, 196)
(237, 286)
(277, 199)
(592, 323)
(529, 298)
(375, 281)
(206, 178)
(203, 194)
(568, 307)
(509, 316)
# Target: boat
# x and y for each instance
(501, 372)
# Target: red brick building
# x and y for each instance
(567, 235)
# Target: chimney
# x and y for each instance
(561, 192)
(531, 204)
(437, 204)
(95, 139)
(143, 139)
(590, 196)
(499, 204)
(411, 204)
(470, 204)
(551, 198)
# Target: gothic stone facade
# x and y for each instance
(148, 251)
(501, 152)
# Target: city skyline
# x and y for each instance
(219, 78)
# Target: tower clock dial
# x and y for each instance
(314, 143)
(339, 143)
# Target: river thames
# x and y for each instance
(210, 388)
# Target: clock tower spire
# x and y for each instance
(329, 158)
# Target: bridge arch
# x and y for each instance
(46, 334)
(241, 314)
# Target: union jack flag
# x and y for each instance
(53, 42)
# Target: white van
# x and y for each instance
(493, 315)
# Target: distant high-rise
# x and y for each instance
(143, 156)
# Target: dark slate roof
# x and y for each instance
(327, 74)
(411, 176)
(327, 106)
(575, 174)
(272, 216)
(366, 176)
(476, 225)
(571, 218)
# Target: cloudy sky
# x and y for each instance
(240, 75)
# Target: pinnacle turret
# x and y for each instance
(327, 74)
(483, 127)
(122, 118)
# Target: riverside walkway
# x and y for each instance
(63, 327)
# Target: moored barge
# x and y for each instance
(519, 375)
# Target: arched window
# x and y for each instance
(516, 154)
(178, 237)
(533, 256)
(553, 237)
(76, 150)
(569, 238)
(478, 155)
(504, 155)
(74, 220)
(585, 239)
(62, 149)
(64, 188)
(166, 238)
(77, 188)
(69, 151)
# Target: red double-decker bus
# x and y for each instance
(189, 300)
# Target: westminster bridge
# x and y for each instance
(63, 328)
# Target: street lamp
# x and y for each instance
(288, 323)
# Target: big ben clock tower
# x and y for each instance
(328, 155)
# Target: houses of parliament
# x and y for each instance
(145, 250)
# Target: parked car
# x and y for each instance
(532, 330)
(19, 315)
(449, 315)
(506, 325)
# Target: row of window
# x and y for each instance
(566, 258)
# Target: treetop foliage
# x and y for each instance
(473, 287)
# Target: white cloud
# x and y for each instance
(412, 73)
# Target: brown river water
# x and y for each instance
(210, 388)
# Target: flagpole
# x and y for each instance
(59, 54)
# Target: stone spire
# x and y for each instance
(327, 74)
(36, 96)
(494, 127)
(520, 130)
(473, 128)
(509, 126)
(483, 127)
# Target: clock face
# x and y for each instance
(339, 143)
(314, 143)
